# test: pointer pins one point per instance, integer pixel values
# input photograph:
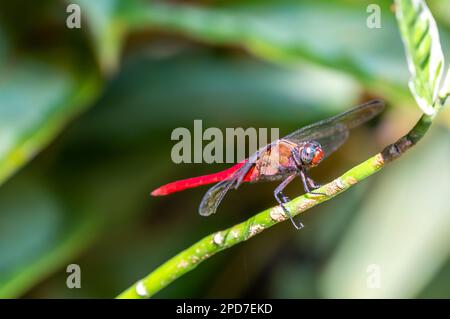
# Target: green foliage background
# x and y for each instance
(85, 123)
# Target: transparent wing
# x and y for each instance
(332, 133)
(213, 197)
(332, 141)
(215, 194)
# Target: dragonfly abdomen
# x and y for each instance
(197, 181)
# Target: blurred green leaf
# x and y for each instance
(150, 90)
(38, 233)
(438, 288)
(52, 214)
(441, 11)
(294, 280)
(402, 229)
(423, 51)
(36, 100)
(106, 28)
(444, 93)
(290, 31)
(4, 48)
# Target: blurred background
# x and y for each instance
(85, 122)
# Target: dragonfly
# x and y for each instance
(283, 159)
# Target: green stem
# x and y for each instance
(190, 258)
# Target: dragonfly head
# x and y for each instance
(310, 154)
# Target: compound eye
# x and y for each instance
(307, 154)
(318, 156)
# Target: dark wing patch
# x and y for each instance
(213, 197)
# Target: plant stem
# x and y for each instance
(190, 258)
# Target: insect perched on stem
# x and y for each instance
(283, 159)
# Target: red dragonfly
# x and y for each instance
(283, 159)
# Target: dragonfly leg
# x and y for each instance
(306, 180)
(278, 192)
(315, 185)
(312, 183)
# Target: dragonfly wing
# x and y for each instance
(331, 142)
(214, 196)
(332, 133)
(359, 114)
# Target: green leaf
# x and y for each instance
(39, 233)
(444, 93)
(243, 89)
(106, 29)
(423, 51)
(37, 98)
(288, 32)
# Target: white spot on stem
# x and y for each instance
(339, 183)
(277, 214)
(255, 229)
(141, 290)
(194, 259)
(218, 238)
(183, 264)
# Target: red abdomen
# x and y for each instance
(199, 181)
